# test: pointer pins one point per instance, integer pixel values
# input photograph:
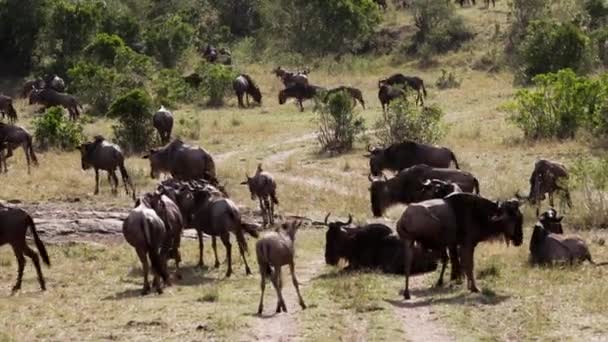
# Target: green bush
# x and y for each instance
(405, 120)
(217, 82)
(170, 88)
(104, 48)
(55, 130)
(134, 131)
(168, 38)
(338, 124)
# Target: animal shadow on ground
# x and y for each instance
(486, 297)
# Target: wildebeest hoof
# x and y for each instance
(145, 291)
(303, 306)
(260, 309)
(217, 264)
(248, 271)
(439, 283)
(159, 290)
(406, 295)
(15, 289)
(474, 289)
(228, 274)
(178, 276)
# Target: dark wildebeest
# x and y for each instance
(352, 92)
(103, 155)
(243, 84)
(273, 251)
(194, 80)
(12, 137)
(55, 83)
(406, 186)
(406, 154)
(388, 93)
(300, 93)
(213, 55)
(263, 187)
(548, 177)
(182, 161)
(291, 79)
(463, 2)
(416, 83)
(29, 86)
(458, 222)
(7, 109)
(436, 188)
(146, 232)
(49, 98)
(163, 122)
(216, 215)
(372, 246)
(14, 223)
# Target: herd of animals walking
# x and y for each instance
(445, 219)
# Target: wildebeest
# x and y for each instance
(463, 2)
(103, 155)
(436, 188)
(372, 246)
(243, 84)
(460, 220)
(273, 250)
(547, 177)
(263, 187)
(216, 215)
(406, 186)
(399, 156)
(213, 55)
(352, 92)
(12, 137)
(291, 79)
(49, 98)
(29, 86)
(54, 82)
(146, 232)
(551, 221)
(163, 122)
(487, 3)
(388, 93)
(416, 83)
(300, 93)
(182, 161)
(7, 109)
(14, 223)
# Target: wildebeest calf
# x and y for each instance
(263, 187)
(7, 109)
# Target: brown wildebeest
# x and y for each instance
(146, 232)
(399, 156)
(263, 187)
(300, 93)
(243, 84)
(406, 186)
(274, 250)
(352, 92)
(7, 109)
(291, 79)
(103, 155)
(14, 223)
(182, 161)
(213, 55)
(460, 220)
(216, 215)
(416, 83)
(12, 137)
(29, 86)
(548, 177)
(388, 93)
(163, 122)
(49, 98)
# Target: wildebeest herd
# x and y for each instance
(445, 219)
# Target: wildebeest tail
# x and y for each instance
(39, 245)
(153, 254)
(454, 159)
(273, 197)
(262, 251)
(30, 150)
(476, 186)
(126, 179)
(240, 239)
(423, 89)
(251, 229)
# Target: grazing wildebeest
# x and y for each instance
(14, 223)
(416, 83)
(7, 109)
(103, 155)
(291, 79)
(388, 93)
(163, 122)
(146, 232)
(300, 93)
(548, 177)
(243, 84)
(49, 98)
(29, 86)
(263, 187)
(194, 80)
(372, 246)
(182, 161)
(218, 216)
(14, 136)
(352, 92)
(458, 222)
(406, 154)
(274, 250)
(406, 186)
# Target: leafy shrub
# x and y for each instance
(217, 82)
(94, 84)
(122, 24)
(170, 88)
(338, 124)
(134, 130)
(54, 129)
(405, 120)
(104, 48)
(600, 40)
(447, 80)
(168, 38)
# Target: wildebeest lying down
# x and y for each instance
(406, 186)
(416, 83)
(300, 92)
(547, 177)
(263, 187)
(182, 161)
(49, 98)
(399, 156)
(355, 93)
(243, 84)
(163, 122)
(14, 223)
(7, 109)
(372, 246)
(459, 221)
(11, 137)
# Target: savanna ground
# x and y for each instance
(94, 287)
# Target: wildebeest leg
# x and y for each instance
(409, 245)
(114, 182)
(27, 156)
(199, 232)
(278, 284)
(455, 263)
(96, 181)
(295, 284)
(444, 262)
(267, 204)
(242, 252)
(36, 260)
(214, 246)
(239, 97)
(263, 210)
(467, 253)
(18, 250)
(143, 258)
(247, 98)
(225, 236)
(262, 288)
(301, 105)
(271, 212)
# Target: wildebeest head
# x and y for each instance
(510, 220)
(86, 155)
(256, 94)
(34, 96)
(282, 97)
(376, 160)
(334, 239)
(435, 188)
(249, 181)
(379, 195)
(551, 221)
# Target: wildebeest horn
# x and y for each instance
(427, 182)
(369, 176)
(369, 148)
(327, 218)
(350, 219)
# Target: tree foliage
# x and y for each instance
(339, 125)
(134, 130)
(54, 129)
